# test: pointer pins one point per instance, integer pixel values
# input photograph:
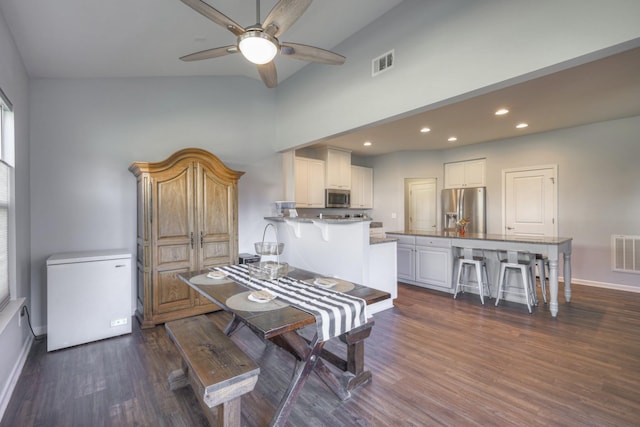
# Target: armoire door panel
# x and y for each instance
(215, 211)
(216, 253)
(174, 254)
(174, 208)
(172, 293)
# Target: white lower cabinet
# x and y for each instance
(433, 266)
(424, 261)
(406, 262)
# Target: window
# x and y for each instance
(6, 159)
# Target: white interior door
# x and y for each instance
(530, 201)
(421, 204)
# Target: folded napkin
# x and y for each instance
(335, 312)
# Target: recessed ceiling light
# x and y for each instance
(452, 139)
(502, 112)
(367, 143)
(522, 125)
(425, 130)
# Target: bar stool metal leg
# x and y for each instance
(513, 262)
(479, 264)
(543, 267)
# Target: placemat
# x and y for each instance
(204, 280)
(241, 302)
(341, 286)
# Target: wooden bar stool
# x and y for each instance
(521, 262)
(465, 263)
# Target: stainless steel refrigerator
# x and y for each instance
(469, 203)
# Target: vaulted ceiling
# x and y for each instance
(144, 38)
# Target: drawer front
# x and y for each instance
(433, 241)
(402, 239)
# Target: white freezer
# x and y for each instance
(88, 297)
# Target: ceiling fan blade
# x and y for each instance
(310, 53)
(268, 74)
(214, 15)
(283, 15)
(210, 53)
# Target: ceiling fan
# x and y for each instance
(259, 43)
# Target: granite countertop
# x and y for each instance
(378, 240)
(481, 236)
(316, 219)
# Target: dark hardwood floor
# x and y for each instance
(435, 361)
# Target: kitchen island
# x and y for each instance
(341, 248)
(449, 245)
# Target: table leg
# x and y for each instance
(567, 276)
(355, 375)
(232, 326)
(553, 286)
(309, 357)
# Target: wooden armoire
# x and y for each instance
(187, 221)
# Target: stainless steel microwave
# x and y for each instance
(337, 198)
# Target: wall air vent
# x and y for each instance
(383, 63)
(625, 253)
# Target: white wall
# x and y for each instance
(598, 189)
(86, 133)
(15, 84)
(446, 50)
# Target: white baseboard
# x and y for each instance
(615, 286)
(5, 397)
(379, 306)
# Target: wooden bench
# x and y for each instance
(218, 371)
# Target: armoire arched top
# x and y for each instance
(188, 154)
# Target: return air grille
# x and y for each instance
(625, 253)
(383, 63)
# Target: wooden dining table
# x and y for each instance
(282, 326)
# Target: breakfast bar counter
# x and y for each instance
(341, 248)
(551, 247)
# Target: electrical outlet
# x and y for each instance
(118, 322)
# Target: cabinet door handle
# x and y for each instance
(192, 240)
(511, 228)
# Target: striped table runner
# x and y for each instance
(335, 312)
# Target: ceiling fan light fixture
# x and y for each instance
(258, 47)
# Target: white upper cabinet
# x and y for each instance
(361, 187)
(470, 173)
(309, 183)
(338, 169)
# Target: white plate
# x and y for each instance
(325, 282)
(216, 275)
(252, 297)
